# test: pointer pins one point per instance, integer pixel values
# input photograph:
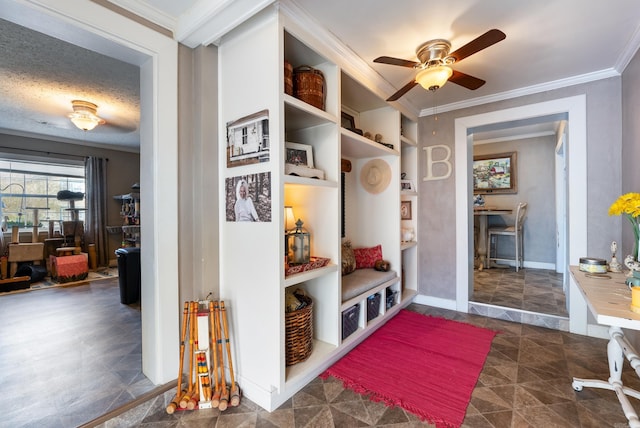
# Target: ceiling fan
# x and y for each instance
(435, 63)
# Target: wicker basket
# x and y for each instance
(308, 85)
(299, 333)
(288, 78)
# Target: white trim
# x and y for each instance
(529, 90)
(436, 302)
(514, 137)
(597, 330)
(577, 176)
(146, 11)
(207, 21)
(628, 52)
(158, 56)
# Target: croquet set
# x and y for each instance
(205, 338)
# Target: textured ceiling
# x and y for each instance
(40, 76)
(549, 44)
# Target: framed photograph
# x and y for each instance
(495, 174)
(248, 139)
(299, 154)
(348, 121)
(407, 186)
(248, 198)
(405, 210)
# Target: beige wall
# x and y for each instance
(536, 186)
(630, 137)
(123, 170)
(198, 172)
(437, 208)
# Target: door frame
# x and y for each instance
(576, 157)
(157, 56)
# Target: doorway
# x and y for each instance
(532, 146)
(576, 201)
(114, 35)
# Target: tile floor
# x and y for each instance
(84, 347)
(526, 382)
(534, 290)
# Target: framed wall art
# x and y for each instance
(495, 174)
(248, 139)
(248, 198)
(405, 210)
(407, 186)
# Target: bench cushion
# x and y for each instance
(362, 280)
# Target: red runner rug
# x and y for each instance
(426, 365)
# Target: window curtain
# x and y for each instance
(96, 203)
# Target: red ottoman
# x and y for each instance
(70, 268)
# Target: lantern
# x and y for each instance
(298, 245)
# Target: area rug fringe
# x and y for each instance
(426, 365)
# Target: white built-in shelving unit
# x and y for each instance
(253, 280)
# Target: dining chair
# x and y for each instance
(516, 230)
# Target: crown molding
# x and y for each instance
(629, 51)
(147, 12)
(514, 137)
(529, 90)
(345, 58)
(206, 22)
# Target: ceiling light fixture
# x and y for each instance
(432, 78)
(85, 115)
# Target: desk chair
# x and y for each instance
(517, 231)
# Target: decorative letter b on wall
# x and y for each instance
(430, 162)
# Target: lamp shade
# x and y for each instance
(432, 78)
(289, 218)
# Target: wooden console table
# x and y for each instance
(609, 300)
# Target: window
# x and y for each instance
(26, 186)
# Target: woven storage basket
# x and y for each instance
(288, 78)
(299, 333)
(308, 85)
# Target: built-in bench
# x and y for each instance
(360, 281)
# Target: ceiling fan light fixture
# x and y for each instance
(85, 115)
(432, 78)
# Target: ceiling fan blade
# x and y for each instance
(489, 38)
(465, 80)
(396, 61)
(406, 88)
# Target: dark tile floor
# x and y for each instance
(526, 382)
(534, 290)
(72, 354)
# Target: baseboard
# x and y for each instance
(530, 265)
(130, 405)
(436, 302)
(597, 330)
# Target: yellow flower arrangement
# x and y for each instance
(628, 205)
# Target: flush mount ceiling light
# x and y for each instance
(432, 78)
(85, 115)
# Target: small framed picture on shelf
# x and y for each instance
(347, 121)
(299, 154)
(407, 186)
(405, 210)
